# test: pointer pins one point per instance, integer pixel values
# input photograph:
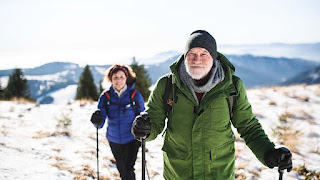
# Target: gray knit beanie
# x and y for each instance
(203, 39)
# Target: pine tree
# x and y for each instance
(86, 87)
(17, 86)
(100, 87)
(143, 81)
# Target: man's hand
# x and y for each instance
(141, 126)
(280, 157)
(97, 118)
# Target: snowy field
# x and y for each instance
(58, 141)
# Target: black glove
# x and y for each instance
(141, 126)
(280, 157)
(97, 118)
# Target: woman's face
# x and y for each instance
(118, 80)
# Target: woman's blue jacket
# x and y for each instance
(120, 114)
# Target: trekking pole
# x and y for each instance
(147, 170)
(280, 174)
(143, 146)
(283, 157)
(97, 154)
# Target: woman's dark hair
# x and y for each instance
(131, 76)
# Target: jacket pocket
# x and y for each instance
(219, 114)
(175, 151)
(223, 152)
(176, 163)
(222, 161)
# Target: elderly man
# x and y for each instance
(199, 142)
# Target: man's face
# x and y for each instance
(198, 62)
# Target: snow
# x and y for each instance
(60, 76)
(4, 81)
(34, 143)
(314, 76)
(62, 96)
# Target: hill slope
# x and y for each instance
(58, 141)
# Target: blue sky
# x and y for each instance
(34, 32)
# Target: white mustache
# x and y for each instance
(197, 65)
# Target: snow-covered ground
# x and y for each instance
(58, 141)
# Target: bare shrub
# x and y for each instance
(57, 158)
(84, 102)
(23, 100)
(308, 174)
(65, 122)
(111, 159)
(42, 135)
(304, 115)
(285, 132)
(56, 149)
(240, 176)
(304, 99)
(4, 130)
(63, 167)
(50, 134)
(63, 126)
(239, 171)
(272, 103)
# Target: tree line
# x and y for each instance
(18, 87)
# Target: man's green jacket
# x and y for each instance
(199, 142)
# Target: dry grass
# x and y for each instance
(63, 167)
(64, 122)
(56, 149)
(286, 133)
(83, 102)
(272, 103)
(240, 168)
(304, 115)
(4, 130)
(317, 92)
(308, 174)
(23, 100)
(86, 171)
(240, 176)
(304, 98)
(87, 157)
(50, 134)
(111, 159)
(57, 158)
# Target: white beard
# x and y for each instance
(198, 73)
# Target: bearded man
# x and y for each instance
(199, 141)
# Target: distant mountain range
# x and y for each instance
(309, 51)
(255, 71)
(307, 77)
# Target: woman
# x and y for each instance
(120, 104)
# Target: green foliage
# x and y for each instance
(143, 82)
(86, 87)
(17, 86)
